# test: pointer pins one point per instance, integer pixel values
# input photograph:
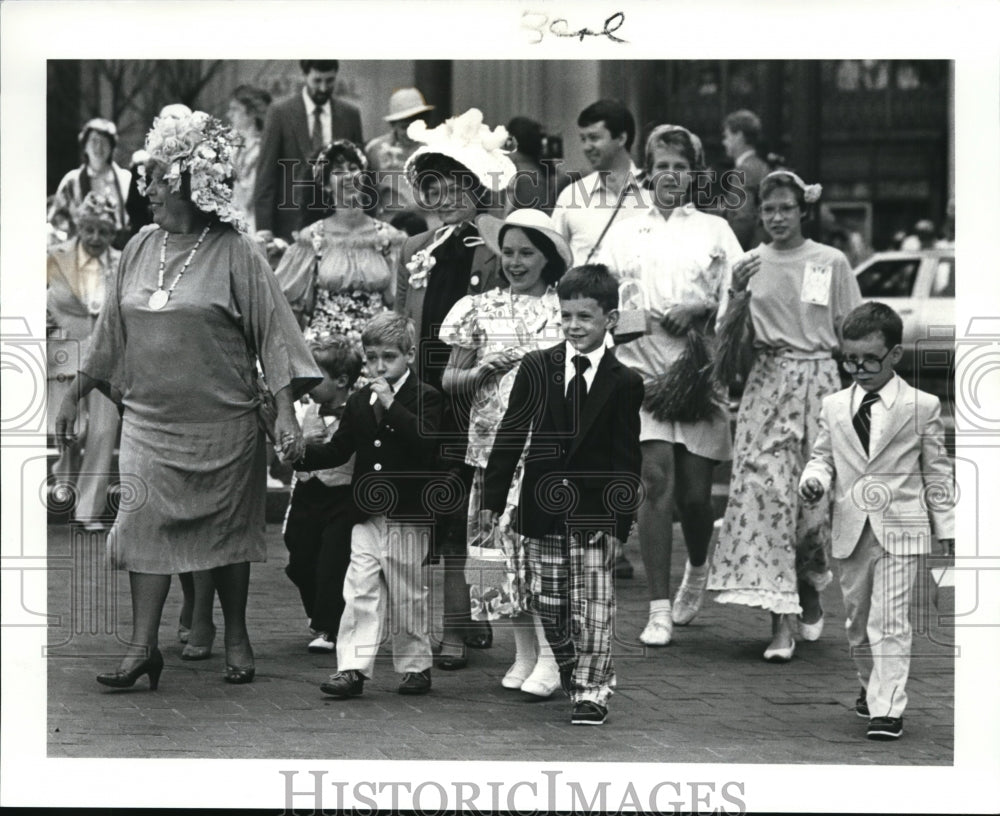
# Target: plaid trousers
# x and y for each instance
(573, 594)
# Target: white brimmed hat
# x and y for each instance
(469, 142)
(490, 228)
(406, 102)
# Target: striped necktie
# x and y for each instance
(863, 419)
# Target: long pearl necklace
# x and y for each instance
(159, 298)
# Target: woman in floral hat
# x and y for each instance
(191, 310)
(341, 271)
(99, 173)
(79, 271)
(787, 301)
(459, 172)
(679, 260)
(488, 335)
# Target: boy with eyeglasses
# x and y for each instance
(881, 449)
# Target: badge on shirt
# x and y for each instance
(816, 284)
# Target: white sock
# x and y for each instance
(659, 609)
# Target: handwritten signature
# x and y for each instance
(539, 23)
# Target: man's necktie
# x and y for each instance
(317, 129)
(376, 404)
(863, 419)
(577, 393)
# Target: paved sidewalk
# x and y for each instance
(708, 697)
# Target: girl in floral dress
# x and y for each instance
(489, 334)
(340, 272)
(795, 293)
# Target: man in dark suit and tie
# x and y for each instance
(295, 130)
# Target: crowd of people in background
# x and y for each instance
(469, 357)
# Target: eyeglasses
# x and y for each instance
(784, 210)
(873, 365)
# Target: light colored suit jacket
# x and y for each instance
(904, 487)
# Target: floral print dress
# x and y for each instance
(492, 322)
(338, 280)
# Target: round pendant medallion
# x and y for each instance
(158, 299)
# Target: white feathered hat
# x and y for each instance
(470, 143)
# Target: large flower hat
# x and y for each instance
(186, 141)
(471, 143)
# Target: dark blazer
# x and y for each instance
(281, 197)
(484, 274)
(580, 472)
(394, 469)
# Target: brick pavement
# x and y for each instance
(707, 698)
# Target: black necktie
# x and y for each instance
(577, 392)
(378, 409)
(863, 419)
(317, 129)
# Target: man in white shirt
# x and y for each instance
(295, 130)
(586, 208)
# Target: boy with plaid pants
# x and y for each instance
(581, 483)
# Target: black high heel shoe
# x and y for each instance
(151, 666)
(482, 639)
(239, 675)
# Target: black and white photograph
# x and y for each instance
(500, 407)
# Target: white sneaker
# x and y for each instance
(687, 601)
(658, 632)
(516, 675)
(322, 644)
(543, 680)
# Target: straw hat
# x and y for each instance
(406, 102)
(490, 228)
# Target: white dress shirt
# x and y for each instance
(588, 375)
(886, 399)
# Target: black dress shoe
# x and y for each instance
(453, 662)
(885, 728)
(480, 640)
(588, 712)
(566, 679)
(861, 705)
(416, 682)
(348, 683)
(151, 666)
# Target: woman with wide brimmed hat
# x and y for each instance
(489, 334)
(459, 172)
(98, 139)
(191, 310)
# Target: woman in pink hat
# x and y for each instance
(489, 333)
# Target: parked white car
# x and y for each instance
(920, 286)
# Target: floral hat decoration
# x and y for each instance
(471, 143)
(810, 192)
(96, 207)
(186, 141)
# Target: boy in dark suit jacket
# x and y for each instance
(389, 427)
(581, 482)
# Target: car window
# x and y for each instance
(944, 279)
(889, 278)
